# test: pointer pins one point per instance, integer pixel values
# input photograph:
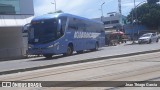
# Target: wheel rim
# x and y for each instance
(48, 56)
(96, 46)
(69, 51)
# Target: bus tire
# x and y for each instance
(69, 50)
(48, 55)
(96, 47)
(80, 52)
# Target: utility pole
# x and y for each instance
(119, 6)
(133, 12)
(102, 10)
(54, 5)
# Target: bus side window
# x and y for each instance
(84, 27)
(81, 25)
(73, 27)
(73, 24)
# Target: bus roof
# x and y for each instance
(56, 15)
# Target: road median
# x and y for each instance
(78, 62)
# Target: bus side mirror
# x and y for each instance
(25, 28)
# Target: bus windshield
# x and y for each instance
(43, 31)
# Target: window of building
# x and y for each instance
(9, 7)
(114, 21)
(107, 22)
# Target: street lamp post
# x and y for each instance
(54, 4)
(102, 10)
(133, 23)
(135, 11)
(136, 20)
(136, 8)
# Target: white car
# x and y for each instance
(148, 38)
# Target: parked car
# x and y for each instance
(148, 38)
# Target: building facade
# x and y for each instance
(13, 15)
(114, 21)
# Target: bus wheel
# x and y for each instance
(69, 51)
(96, 47)
(48, 55)
(80, 52)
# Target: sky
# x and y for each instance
(84, 8)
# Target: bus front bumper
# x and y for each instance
(40, 51)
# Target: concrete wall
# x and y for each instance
(12, 44)
(130, 29)
(14, 20)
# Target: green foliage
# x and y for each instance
(147, 14)
(152, 1)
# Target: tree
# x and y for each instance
(147, 14)
(152, 1)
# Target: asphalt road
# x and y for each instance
(103, 52)
(131, 68)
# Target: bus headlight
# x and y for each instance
(55, 45)
(51, 46)
(30, 46)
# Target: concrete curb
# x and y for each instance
(76, 62)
